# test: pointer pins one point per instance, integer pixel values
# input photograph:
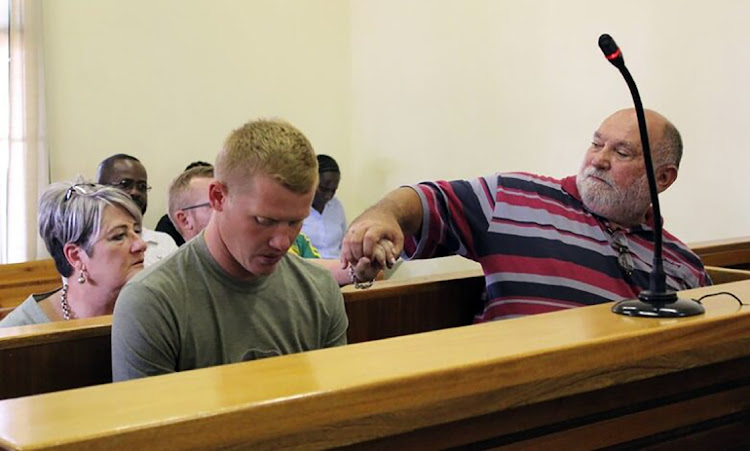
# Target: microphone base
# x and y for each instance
(658, 305)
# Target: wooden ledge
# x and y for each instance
(361, 392)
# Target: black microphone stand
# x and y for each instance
(657, 301)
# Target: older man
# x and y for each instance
(129, 175)
(234, 293)
(545, 244)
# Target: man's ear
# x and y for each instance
(665, 176)
(182, 220)
(75, 256)
(218, 195)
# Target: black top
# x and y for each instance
(165, 225)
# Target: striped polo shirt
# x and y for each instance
(541, 250)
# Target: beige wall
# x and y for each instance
(400, 91)
(456, 89)
(167, 80)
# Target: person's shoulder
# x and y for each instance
(529, 178)
(336, 203)
(169, 270)
(28, 312)
(306, 271)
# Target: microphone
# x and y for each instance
(657, 301)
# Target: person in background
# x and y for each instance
(93, 234)
(326, 224)
(234, 292)
(166, 224)
(188, 206)
(128, 174)
(545, 244)
(190, 210)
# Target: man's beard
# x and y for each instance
(622, 206)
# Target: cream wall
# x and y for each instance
(455, 89)
(400, 91)
(167, 80)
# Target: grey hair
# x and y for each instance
(670, 150)
(78, 218)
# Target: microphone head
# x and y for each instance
(611, 50)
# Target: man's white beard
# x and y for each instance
(626, 207)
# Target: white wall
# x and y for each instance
(401, 91)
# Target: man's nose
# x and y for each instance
(281, 240)
(601, 159)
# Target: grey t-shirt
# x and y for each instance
(28, 312)
(187, 312)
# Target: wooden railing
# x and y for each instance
(583, 378)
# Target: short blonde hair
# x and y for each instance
(179, 187)
(270, 147)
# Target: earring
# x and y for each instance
(82, 276)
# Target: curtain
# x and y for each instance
(24, 161)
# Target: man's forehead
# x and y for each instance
(128, 169)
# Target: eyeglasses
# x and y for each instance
(204, 204)
(128, 184)
(78, 188)
(619, 242)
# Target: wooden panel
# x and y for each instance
(587, 420)
(421, 304)
(19, 280)
(40, 357)
(725, 275)
(386, 388)
(732, 253)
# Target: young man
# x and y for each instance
(234, 293)
(545, 244)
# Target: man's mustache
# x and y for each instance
(601, 175)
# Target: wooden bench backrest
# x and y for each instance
(581, 378)
(727, 253)
(19, 280)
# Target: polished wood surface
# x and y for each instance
(71, 354)
(730, 252)
(19, 280)
(392, 389)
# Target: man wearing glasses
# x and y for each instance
(129, 175)
(189, 209)
(545, 244)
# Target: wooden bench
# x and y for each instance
(727, 253)
(70, 354)
(19, 280)
(583, 378)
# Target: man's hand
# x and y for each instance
(373, 236)
(378, 233)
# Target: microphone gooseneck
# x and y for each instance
(657, 301)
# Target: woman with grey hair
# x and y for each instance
(93, 234)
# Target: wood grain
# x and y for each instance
(370, 391)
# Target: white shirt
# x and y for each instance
(326, 230)
(159, 244)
